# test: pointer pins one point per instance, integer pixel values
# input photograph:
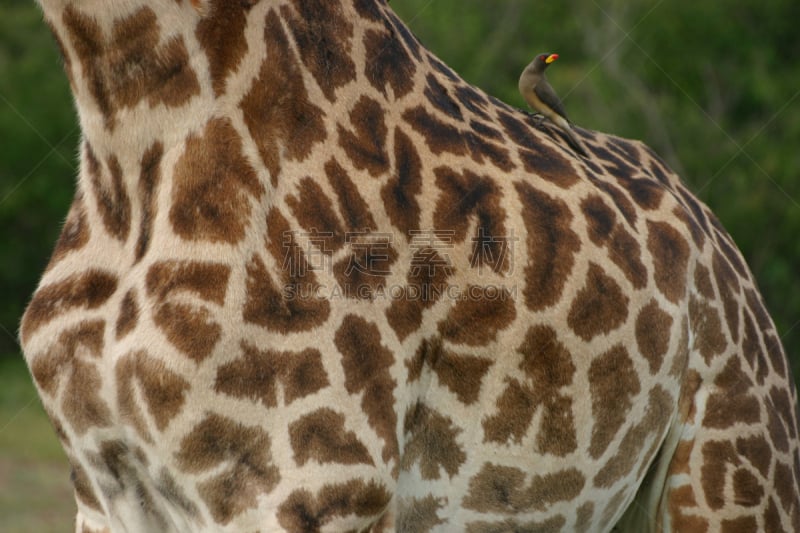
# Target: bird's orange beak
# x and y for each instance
(551, 58)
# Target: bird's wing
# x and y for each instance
(549, 97)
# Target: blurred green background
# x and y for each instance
(712, 86)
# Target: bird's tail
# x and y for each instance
(572, 139)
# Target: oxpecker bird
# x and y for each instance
(538, 93)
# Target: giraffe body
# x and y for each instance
(313, 281)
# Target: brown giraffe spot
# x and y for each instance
(538, 160)
(681, 498)
(729, 288)
(163, 391)
(399, 194)
(623, 248)
(294, 306)
(110, 194)
(653, 327)
(408, 38)
(743, 524)
(462, 374)
(321, 436)
(704, 321)
(149, 179)
(257, 374)
(621, 201)
(475, 321)
(583, 519)
(89, 290)
(428, 352)
(600, 219)
(128, 314)
(213, 185)
(439, 136)
(482, 150)
(772, 518)
(732, 401)
(717, 455)
(670, 253)
(551, 525)
(368, 9)
(362, 274)
(367, 363)
(783, 405)
(747, 489)
(757, 451)
(682, 214)
(277, 111)
(481, 128)
(418, 515)
(365, 145)
(613, 383)
(243, 452)
(465, 196)
(140, 67)
(221, 34)
(548, 164)
(502, 489)
(303, 511)
(652, 425)
(646, 193)
(71, 360)
(314, 211)
(425, 285)
(291, 303)
(205, 280)
(476, 102)
(437, 95)
(702, 281)
(431, 442)
(354, 210)
(87, 40)
(753, 351)
(83, 485)
(75, 233)
(133, 65)
(189, 327)
(599, 307)
(387, 63)
(323, 35)
(551, 245)
(548, 366)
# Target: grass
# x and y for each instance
(35, 491)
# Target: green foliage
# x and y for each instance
(38, 139)
(711, 86)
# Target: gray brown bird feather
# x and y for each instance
(538, 93)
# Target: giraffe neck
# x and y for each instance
(150, 72)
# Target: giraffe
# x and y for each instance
(312, 280)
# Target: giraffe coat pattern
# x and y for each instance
(311, 280)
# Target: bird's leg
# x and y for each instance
(538, 119)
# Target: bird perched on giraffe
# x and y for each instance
(539, 94)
